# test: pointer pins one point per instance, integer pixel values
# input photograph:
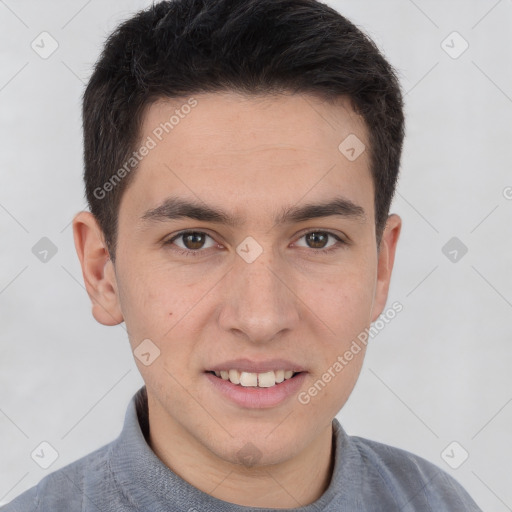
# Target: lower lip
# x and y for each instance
(255, 397)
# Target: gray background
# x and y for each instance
(438, 373)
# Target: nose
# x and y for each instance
(259, 303)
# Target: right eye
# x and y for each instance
(191, 242)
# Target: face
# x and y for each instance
(247, 252)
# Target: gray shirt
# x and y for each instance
(127, 476)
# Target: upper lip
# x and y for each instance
(252, 366)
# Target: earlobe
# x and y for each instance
(385, 263)
(97, 269)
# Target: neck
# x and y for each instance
(295, 482)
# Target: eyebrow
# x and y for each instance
(177, 208)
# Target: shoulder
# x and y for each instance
(413, 480)
(68, 487)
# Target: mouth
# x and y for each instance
(256, 384)
(268, 379)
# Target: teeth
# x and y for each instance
(267, 379)
(249, 379)
(234, 376)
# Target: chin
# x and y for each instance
(253, 449)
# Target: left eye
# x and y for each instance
(318, 239)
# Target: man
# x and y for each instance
(240, 161)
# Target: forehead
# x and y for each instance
(229, 121)
(261, 150)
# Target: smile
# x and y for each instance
(250, 379)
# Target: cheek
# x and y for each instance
(330, 386)
(157, 304)
(344, 303)
(150, 304)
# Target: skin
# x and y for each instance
(249, 156)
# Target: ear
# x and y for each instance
(385, 262)
(97, 269)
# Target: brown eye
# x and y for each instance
(317, 239)
(322, 241)
(192, 241)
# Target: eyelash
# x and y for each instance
(190, 252)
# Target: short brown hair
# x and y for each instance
(183, 47)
